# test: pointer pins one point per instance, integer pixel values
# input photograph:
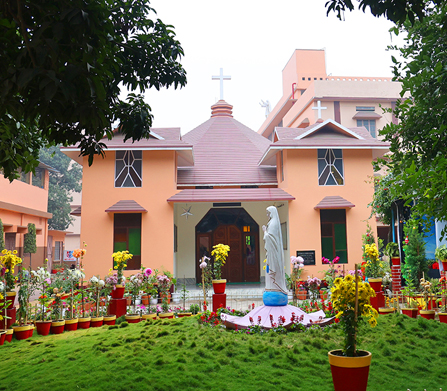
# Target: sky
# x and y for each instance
(252, 41)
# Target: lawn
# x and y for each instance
(182, 355)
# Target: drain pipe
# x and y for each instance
(293, 90)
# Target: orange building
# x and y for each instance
(25, 201)
(170, 198)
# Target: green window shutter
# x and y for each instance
(135, 241)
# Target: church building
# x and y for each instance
(170, 198)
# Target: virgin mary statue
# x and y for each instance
(275, 279)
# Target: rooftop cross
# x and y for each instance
(221, 77)
(319, 108)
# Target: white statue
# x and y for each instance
(275, 279)
(266, 104)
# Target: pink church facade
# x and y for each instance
(170, 198)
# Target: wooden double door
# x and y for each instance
(242, 264)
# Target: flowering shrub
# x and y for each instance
(210, 318)
(164, 284)
(9, 260)
(331, 274)
(343, 300)
(374, 267)
(120, 259)
(220, 254)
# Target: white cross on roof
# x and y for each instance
(319, 108)
(221, 77)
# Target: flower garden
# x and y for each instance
(103, 327)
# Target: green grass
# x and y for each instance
(181, 355)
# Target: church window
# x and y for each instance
(369, 124)
(128, 168)
(330, 167)
(127, 236)
(333, 234)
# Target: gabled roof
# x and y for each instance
(226, 152)
(324, 135)
(160, 139)
(334, 202)
(126, 206)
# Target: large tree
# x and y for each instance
(66, 180)
(62, 63)
(419, 142)
(397, 11)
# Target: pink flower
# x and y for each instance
(203, 265)
(147, 272)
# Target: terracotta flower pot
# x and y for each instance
(118, 292)
(97, 321)
(9, 334)
(71, 324)
(57, 326)
(219, 286)
(132, 318)
(427, 314)
(145, 300)
(84, 323)
(323, 295)
(109, 320)
(43, 327)
(350, 373)
(411, 312)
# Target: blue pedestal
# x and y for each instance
(274, 298)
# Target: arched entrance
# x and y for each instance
(236, 228)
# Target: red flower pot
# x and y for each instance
(133, 318)
(350, 373)
(219, 286)
(97, 322)
(11, 296)
(442, 317)
(31, 331)
(427, 314)
(21, 332)
(43, 327)
(84, 323)
(118, 292)
(57, 327)
(444, 265)
(2, 337)
(411, 312)
(109, 320)
(9, 333)
(71, 324)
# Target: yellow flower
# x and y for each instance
(264, 267)
(265, 260)
(115, 267)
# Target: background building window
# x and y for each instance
(128, 168)
(127, 236)
(333, 234)
(369, 124)
(365, 108)
(330, 167)
(38, 177)
(58, 248)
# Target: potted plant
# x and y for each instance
(134, 285)
(426, 289)
(9, 260)
(42, 280)
(96, 284)
(374, 270)
(207, 275)
(390, 306)
(57, 321)
(411, 305)
(220, 254)
(72, 278)
(441, 255)
(297, 264)
(150, 313)
(164, 283)
(313, 284)
(351, 302)
(392, 253)
(27, 286)
(120, 259)
(443, 302)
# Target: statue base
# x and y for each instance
(274, 298)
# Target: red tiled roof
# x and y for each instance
(226, 152)
(227, 195)
(334, 202)
(129, 206)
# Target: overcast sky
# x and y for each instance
(252, 41)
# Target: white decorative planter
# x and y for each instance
(175, 297)
(153, 301)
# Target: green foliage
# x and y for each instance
(62, 66)
(382, 203)
(392, 250)
(415, 261)
(66, 180)
(2, 236)
(396, 11)
(29, 245)
(418, 163)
